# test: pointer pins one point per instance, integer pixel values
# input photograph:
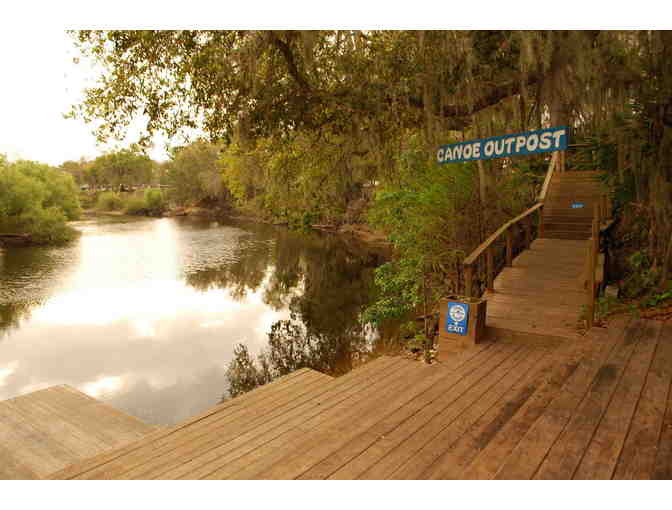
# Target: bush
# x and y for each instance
(155, 202)
(109, 201)
(48, 226)
(38, 200)
(136, 206)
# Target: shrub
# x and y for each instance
(38, 200)
(109, 201)
(136, 206)
(155, 202)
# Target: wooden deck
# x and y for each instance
(599, 407)
(542, 293)
(46, 430)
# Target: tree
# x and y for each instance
(194, 174)
(123, 167)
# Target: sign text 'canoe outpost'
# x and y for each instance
(532, 142)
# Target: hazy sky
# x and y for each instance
(42, 83)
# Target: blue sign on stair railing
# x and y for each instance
(457, 318)
(519, 144)
(578, 205)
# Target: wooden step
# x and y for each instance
(568, 226)
(559, 234)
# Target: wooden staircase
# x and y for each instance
(561, 220)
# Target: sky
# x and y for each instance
(41, 83)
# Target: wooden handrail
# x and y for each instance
(549, 176)
(485, 244)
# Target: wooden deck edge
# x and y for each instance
(161, 432)
(72, 389)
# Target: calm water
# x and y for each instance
(144, 314)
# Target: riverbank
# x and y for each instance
(358, 231)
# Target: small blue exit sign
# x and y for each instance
(457, 318)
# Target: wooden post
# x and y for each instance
(540, 233)
(490, 267)
(597, 220)
(528, 232)
(590, 291)
(509, 246)
(594, 246)
(468, 279)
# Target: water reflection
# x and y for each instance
(145, 314)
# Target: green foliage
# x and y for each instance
(244, 374)
(109, 201)
(155, 202)
(123, 167)
(38, 200)
(136, 206)
(641, 277)
(194, 174)
(399, 291)
(300, 179)
(656, 299)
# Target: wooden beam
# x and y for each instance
(490, 269)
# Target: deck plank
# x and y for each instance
(566, 452)
(263, 394)
(533, 447)
(347, 406)
(222, 426)
(600, 457)
(431, 404)
(222, 451)
(662, 469)
(43, 432)
(502, 428)
(638, 456)
(429, 424)
(425, 458)
(384, 428)
(341, 429)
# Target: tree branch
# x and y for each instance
(490, 99)
(286, 52)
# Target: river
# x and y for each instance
(144, 314)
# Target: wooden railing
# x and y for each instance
(488, 247)
(594, 277)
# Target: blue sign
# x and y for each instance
(532, 142)
(578, 205)
(457, 318)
